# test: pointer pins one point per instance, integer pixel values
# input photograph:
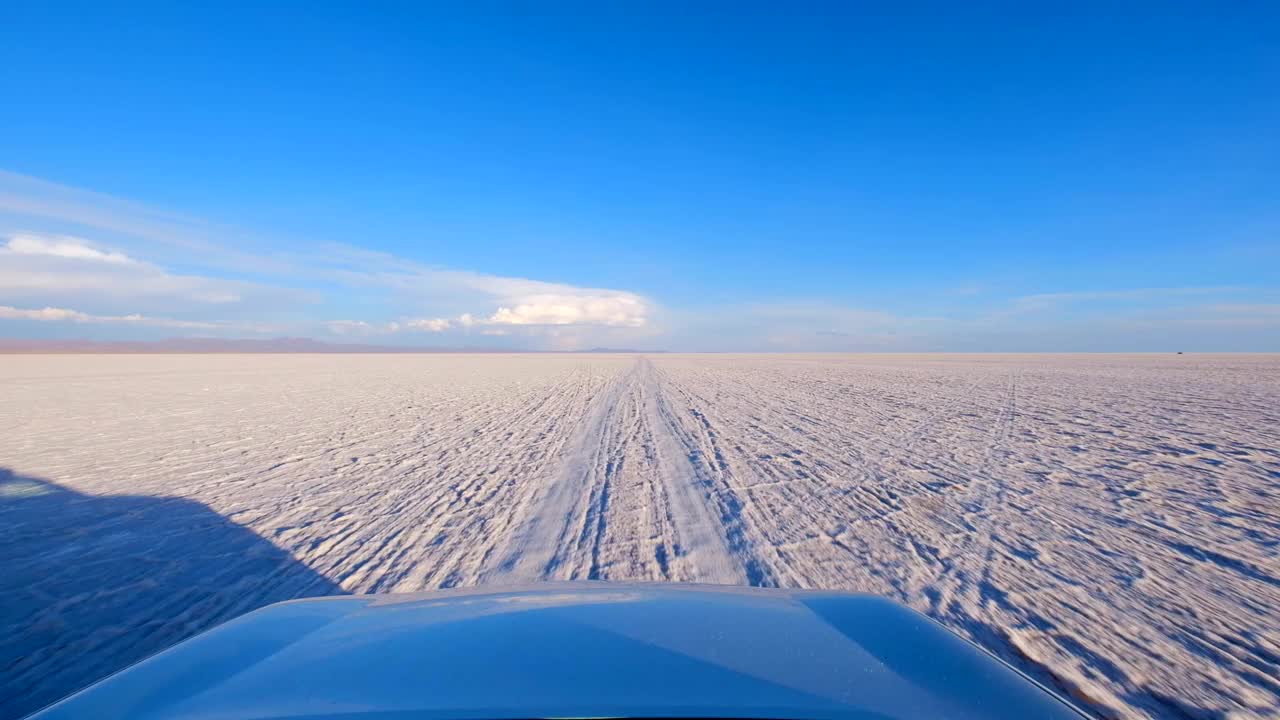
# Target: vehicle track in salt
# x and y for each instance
(1108, 524)
(628, 502)
(1059, 511)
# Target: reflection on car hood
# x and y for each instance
(572, 650)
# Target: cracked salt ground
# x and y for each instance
(1109, 524)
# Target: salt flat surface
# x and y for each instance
(1109, 524)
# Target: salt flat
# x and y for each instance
(1109, 524)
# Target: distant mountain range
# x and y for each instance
(215, 345)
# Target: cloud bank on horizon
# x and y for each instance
(73, 260)
(75, 263)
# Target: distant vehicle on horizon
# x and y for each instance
(574, 650)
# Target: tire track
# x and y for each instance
(710, 548)
(628, 451)
(551, 529)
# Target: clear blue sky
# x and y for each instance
(733, 176)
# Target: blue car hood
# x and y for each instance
(572, 650)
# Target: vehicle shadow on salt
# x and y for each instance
(91, 584)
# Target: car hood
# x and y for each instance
(572, 650)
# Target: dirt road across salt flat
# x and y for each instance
(1110, 524)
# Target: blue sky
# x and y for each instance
(731, 177)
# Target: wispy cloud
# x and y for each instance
(63, 247)
(612, 309)
(1043, 301)
(408, 325)
(125, 265)
(350, 327)
(434, 325)
(1139, 319)
(160, 233)
(105, 262)
(65, 315)
(37, 268)
(494, 299)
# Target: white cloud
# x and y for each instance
(362, 327)
(349, 327)
(55, 314)
(43, 202)
(481, 299)
(56, 269)
(63, 247)
(428, 324)
(544, 316)
(117, 262)
(613, 309)
(1133, 296)
(51, 314)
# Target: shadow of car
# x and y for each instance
(92, 584)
